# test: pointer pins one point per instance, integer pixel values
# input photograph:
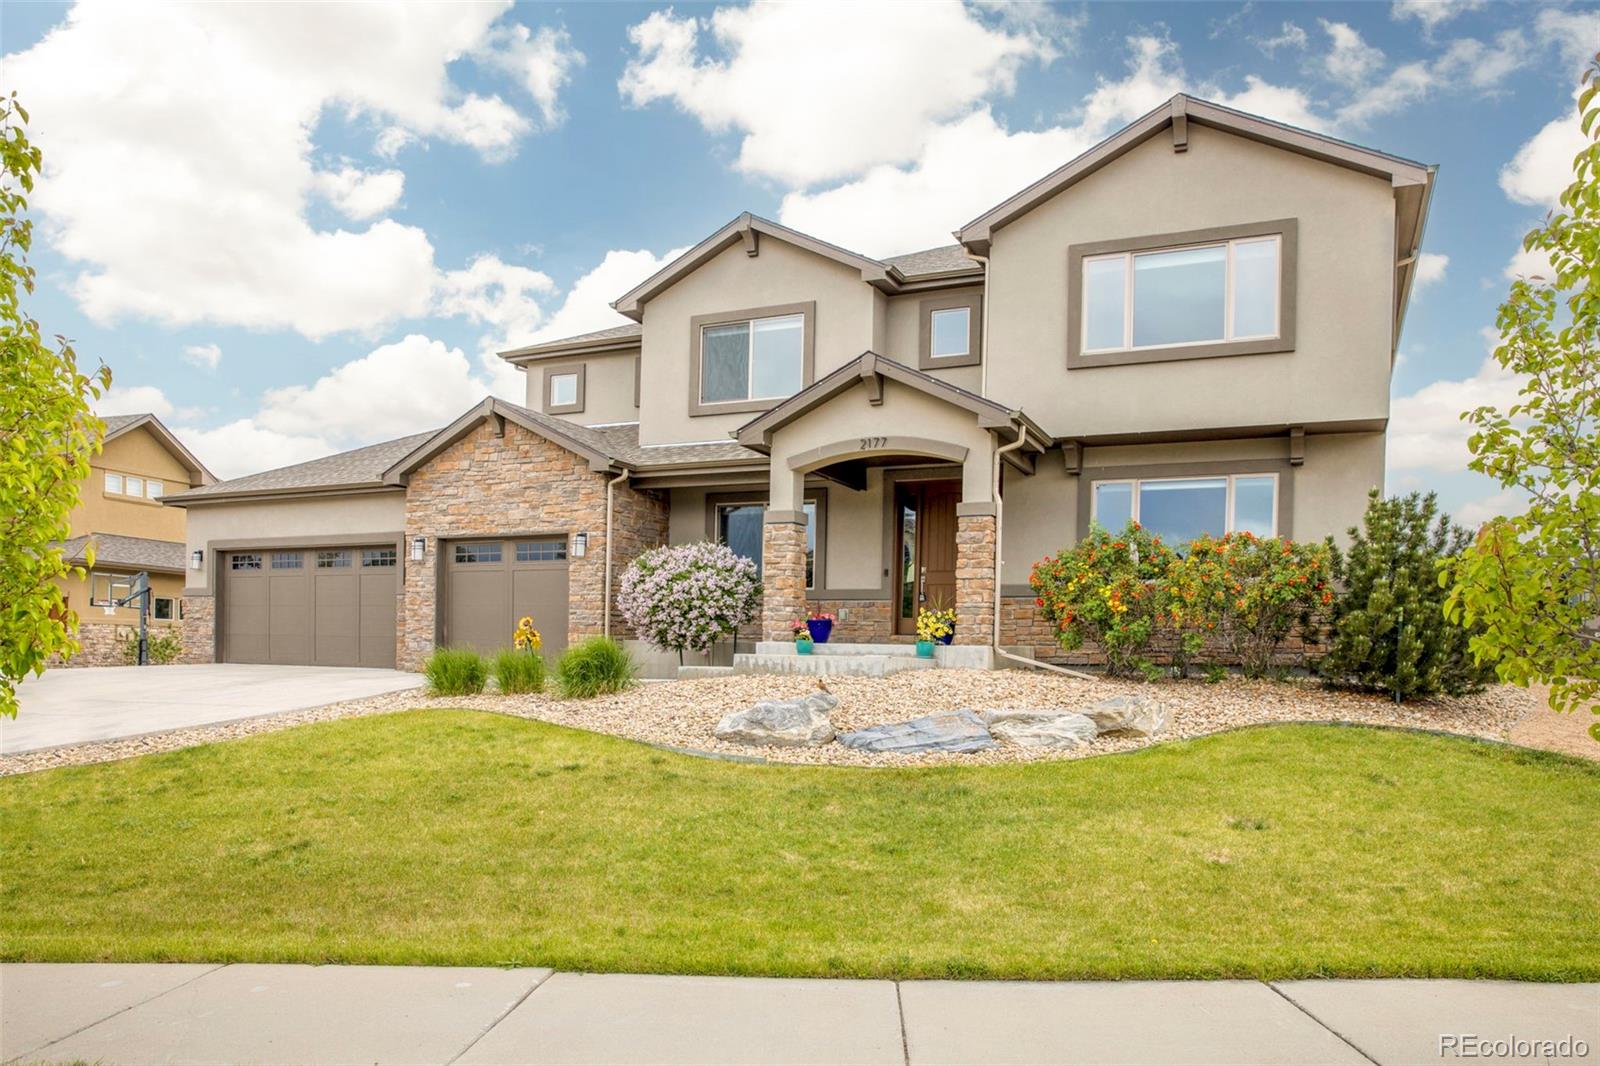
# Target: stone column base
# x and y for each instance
(783, 574)
(975, 556)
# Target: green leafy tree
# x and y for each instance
(1388, 629)
(1530, 585)
(47, 434)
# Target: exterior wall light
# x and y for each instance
(419, 548)
(580, 545)
(197, 559)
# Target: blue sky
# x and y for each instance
(274, 222)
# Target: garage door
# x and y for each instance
(310, 606)
(489, 584)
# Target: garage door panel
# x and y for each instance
(338, 620)
(541, 594)
(377, 590)
(245, 611)
(479, 609)
(289, 608)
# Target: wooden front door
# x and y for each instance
(925, 540)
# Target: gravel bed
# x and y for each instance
(683, 714)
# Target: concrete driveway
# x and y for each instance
(75, 706)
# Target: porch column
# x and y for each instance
(783, 573)
(975, 557)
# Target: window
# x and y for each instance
(486, 552)
(563, 389)
(1227, 291)
(134, 486)
(245, 561)
(753, 359)
(288, 560)
(951, 332)
(739, 526)
(114, 483)
(161, 609)
(333, 560)
(1180, 509)
(153, 490)
(541, 551)
(951, 329)
(379, 557)
(107, 589)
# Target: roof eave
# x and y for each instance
(340, 489)
(398, 474)
(170, 441)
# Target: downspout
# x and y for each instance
(999, 562)
(605, 606)
(983, 339)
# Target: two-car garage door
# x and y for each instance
(319, 607)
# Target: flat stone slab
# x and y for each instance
(622, 1018)
(1227, 1023)
(308, 1015)
(1129, 714)
(1041, 729)
(799, 722)
(958, 731)
(43, 1002)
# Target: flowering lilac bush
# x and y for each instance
(686, 597)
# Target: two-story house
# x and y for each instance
(1192, 324)
(120, 519)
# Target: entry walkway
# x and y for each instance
(127, 1014)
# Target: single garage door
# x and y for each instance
(490, 584)
(310, 606)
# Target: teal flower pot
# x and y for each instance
(803, 646)
(925, 648)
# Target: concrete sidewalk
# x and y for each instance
(135, 1014)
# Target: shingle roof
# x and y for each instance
(114, 423)
(626, 331)
(134, 553)
(941, 260)
(360, 466)
(621, 442)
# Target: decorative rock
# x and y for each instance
(1042, 729)
(1129, 714)
(958, 731)
(801, 722)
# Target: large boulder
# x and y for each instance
(958, 731)
(796, 723)
(1041, 729)
(1129, 714)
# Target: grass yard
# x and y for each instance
(467, 838)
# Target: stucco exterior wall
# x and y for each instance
(848, 322)
(140, 454)
(905, 335)
(608, 387)
(311, 517)
(1340, 368)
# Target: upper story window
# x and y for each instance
(1226, 291)
(153, 490)
(563, 389)
(951, 331)
(136, 487)
(750, 360)
(1180, 509)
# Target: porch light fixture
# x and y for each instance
(419, 548)
(197, 559)
(580, 545)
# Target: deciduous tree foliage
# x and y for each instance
(1530, 584)
(47, 434)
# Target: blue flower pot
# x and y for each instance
(948, 637)
(802, 647)
(821, 629)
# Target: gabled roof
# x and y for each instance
(871, 367)
(359, 468)
(615, 338)
(944, 260)
(129, 553)
(117, 425)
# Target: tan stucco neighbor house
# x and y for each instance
(121, 522)
(1193, 324)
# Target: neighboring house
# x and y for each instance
(120, 516)
(1194, 324)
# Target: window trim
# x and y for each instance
(808, 343)
(1283, 523)
(973, 302)
(1285, 229)
(120, 483)
(715, 501)
(576, 407)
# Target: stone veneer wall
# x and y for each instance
(975, 548)
(490, 486)
(858, 621)
(783, 578)
(99, 643)
(199, 629)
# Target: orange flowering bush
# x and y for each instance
(1248, 591)
(1107, 589)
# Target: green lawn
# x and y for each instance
(457, 837)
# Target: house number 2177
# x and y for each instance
(869, 443)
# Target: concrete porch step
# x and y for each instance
(952, 656)
(857, 665)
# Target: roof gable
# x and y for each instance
(121, 425)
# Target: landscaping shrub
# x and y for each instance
(518, 671)
(456, 672)
(163, 647)
(596, 666)
(687, 596)
(1248, 591)
(1389, 631)
(1107, 590)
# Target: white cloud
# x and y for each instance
(244, 447)
(359, 194)
(1289, 35)
(1542, 168)
(1571, 30)
(826, 90)
(1506, 503)
(1466, 61)
(179, 162)
(1529, 264)
(1349, 58)
(971, 164)
(1425, 428)
(1430, 270)
(588, 303)
(203, 355)
(543, 62)
(1432, 13)
(134, 400)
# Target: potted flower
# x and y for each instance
(934, 625)
(802, 638)
(820, 626)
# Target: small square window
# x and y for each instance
(563, 390)
(288, 560)
(378, 557)
(161, 609)
(334, 560)
(153, 490)
(483, 552)
(951, 332)
(114, 483)
(541, 551)
(134, 486)
(245, 561)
